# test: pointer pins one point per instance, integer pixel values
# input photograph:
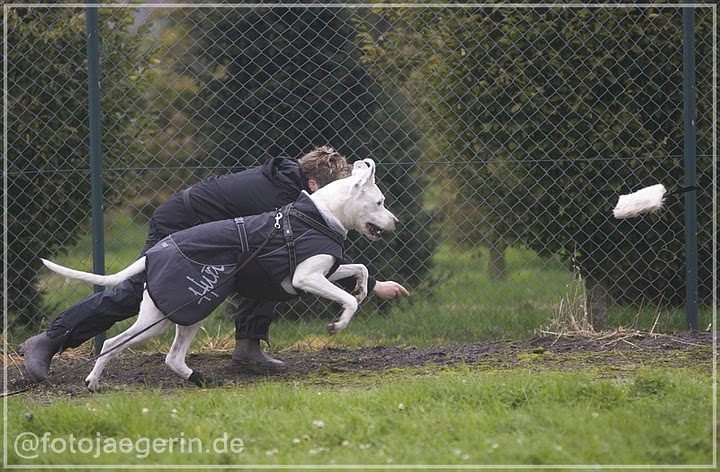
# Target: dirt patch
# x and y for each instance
(608, 355)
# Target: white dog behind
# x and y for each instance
(353, 203)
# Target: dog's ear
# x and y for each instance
(365, 176)
(359, 166)
(371, 164)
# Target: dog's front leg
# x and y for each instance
(360, 273)
(310, 276)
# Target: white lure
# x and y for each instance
(646, 200)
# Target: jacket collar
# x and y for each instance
(306, 205)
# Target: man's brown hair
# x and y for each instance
(324, 164)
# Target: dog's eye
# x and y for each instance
(380, 203)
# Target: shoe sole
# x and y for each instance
(258, 368)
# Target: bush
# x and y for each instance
(554, 112)
(47, 131)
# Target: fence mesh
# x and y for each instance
(503, 135)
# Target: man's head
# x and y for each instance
(323, 165)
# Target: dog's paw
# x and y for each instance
(360, 291)
(92, 384)
(204, 382)
(334, 328)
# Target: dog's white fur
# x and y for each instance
(354, 203)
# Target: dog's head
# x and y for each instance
(369, 215)
(356, 202)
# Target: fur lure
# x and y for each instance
(646, 200)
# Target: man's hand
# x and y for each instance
(389, 290)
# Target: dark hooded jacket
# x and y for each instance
(276, 183)
(248, 193)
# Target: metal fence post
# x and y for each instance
(690, 157)
(93, 56)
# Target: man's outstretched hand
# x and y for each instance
(389, 290)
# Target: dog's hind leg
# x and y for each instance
(149, 314)
(175, 358)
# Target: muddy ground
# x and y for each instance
(605, 355)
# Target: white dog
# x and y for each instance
(310, 231)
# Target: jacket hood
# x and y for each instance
(286, 173)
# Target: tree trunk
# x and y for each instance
(597, 303)
(497, 267)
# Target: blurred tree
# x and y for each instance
(48, 177)
(551, 114)
(174, 155)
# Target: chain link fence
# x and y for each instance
(503, 135)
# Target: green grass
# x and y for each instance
(465, 415)
(467, 306)
(461, 416)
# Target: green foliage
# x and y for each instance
(48, 158)
(174, 153)
(280, 81)
(552, 113)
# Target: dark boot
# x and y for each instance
(38, 351)
(249, 356)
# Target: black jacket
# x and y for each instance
(272, 185)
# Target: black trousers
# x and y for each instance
(97, 313)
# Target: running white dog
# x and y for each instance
(353, 203)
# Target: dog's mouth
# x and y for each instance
(373, 231)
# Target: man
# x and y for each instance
(257, 190)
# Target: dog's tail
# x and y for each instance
(135, 268)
